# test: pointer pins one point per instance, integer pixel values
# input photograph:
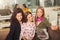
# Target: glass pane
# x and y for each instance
(50, 3)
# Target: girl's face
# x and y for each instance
(23, 6)
(19, 16)
(18, 6)
(39, 13)
(29, 18)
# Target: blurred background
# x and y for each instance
(51, 7)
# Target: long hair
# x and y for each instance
(15, 7)
(42, 11)
(13, 17)
(25, 5)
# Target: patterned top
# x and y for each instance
(28, 30)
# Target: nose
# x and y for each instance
(19, 17)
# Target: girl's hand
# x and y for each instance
(55, 27)
(31, 39)
(24, 38)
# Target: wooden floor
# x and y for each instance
(3, 33)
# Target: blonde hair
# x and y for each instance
(40, 7)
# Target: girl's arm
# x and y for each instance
(11, 33)
(46, 22)
(23, 30)
(23, 38)
(33, 32)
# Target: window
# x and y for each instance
(50, 3)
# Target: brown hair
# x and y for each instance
(26, 14)
(41, 9)
(15, 7)
(13, 17)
